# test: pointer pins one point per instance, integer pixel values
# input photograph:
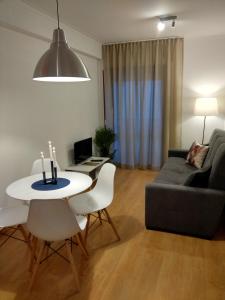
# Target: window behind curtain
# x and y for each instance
(143, 85)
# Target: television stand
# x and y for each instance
(90, 166)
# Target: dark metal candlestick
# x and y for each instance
(52, 171)
(55, 174)
(44, 177)
(52, 180)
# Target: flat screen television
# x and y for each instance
(82, 150)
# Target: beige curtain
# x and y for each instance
(143, 94)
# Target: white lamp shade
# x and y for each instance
(206, 107)
(60, 63)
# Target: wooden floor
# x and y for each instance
(147, 265)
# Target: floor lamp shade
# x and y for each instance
(60, 63)
(206, 107)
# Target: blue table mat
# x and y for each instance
(40, 186)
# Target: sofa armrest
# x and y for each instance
(182, 209)
(178, 153)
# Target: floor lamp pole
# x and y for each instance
(203, 133)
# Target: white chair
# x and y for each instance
(98, 199)
(37, 166)
(51, 221)
(13, 217)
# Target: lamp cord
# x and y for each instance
(57, 6)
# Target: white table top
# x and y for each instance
(22, 190)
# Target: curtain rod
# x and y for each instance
(132, 41)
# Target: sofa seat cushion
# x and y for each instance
(175, 171)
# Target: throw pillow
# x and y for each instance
(197, 155)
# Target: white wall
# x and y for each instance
(31, 113)
(204, 75)
(21, 17)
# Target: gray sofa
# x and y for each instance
(186, 200)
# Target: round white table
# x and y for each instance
(22, 190)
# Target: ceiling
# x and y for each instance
(123, 20)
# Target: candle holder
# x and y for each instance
(55, 174)
(52, 170)
(53, 179)
(44, 177)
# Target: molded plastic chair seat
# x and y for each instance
(89, 202)
(53, 221)
(98, 199)
(12, 216)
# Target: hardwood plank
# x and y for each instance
(145, 264)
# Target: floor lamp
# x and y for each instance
(206, 107)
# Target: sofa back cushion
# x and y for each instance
(217, 175)
(217, 138)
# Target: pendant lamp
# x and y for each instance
(60, 63)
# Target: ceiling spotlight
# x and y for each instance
(164, 19)
(161, 26)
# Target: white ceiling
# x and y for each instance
(124, 20)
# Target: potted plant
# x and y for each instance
(104, 138)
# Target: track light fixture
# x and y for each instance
(165, 19)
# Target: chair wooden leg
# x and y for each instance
(33, 253)
(47, 249)
(37, 263)
(100, 217)
(111, 223)
(87, 228)
(29, 236)
(4, 229)
(73, 266)
(81, 244)
(25, 236)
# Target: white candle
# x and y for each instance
(50, 150)
(54, 156)
(42, 162)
